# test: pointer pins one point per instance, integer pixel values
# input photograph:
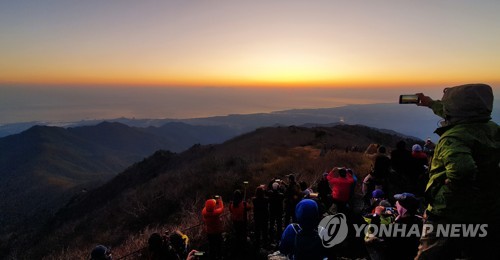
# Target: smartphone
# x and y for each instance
(199, 253)
(408, 99)
(216, 197)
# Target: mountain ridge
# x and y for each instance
(157, 190)
(406, 119)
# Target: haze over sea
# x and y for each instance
(64, 104)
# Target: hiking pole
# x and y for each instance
(245, 183)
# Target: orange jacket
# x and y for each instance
(211, 216)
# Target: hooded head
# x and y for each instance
(416, 148)
(210, 205)
(471, 102)
(307, 214)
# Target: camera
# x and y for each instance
(408, 99)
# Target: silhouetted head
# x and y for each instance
(381, 149)
(259, 192)
(291, 178)
(401, 145)
(155, 242)
(303, 185)
(237, 198)
(178, 241)
(342, 172)
(100, 252)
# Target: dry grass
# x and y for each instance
(174, 199)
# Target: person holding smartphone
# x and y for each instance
(464, 177)
(213, 225)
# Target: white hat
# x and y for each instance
(416, 148)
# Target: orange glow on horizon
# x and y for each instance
(287, 82)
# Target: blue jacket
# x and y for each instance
(308, 219)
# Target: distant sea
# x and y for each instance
(74, 103)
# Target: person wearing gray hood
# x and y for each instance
(464, 178)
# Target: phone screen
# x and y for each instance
(408, 99)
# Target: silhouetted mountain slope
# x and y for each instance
(40, 164)
(170, 189)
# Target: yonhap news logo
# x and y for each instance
(333, 230)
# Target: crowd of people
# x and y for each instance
(297, 207)
(407, 187)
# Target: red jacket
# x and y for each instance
(211, 216)
(341, 187)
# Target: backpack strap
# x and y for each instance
(296, 228)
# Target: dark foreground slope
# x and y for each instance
(169, 189)
(39, 166)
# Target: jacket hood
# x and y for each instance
(307, 214)
(464, 103)
(210, 205)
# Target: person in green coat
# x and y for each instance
(464, 178)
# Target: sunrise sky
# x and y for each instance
(256, 43)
